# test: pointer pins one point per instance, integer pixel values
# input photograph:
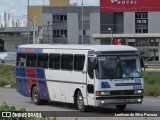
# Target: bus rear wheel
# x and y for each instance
(120, 107)
(80, 102)
(36, 96)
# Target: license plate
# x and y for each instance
(122, 100)
(137, 87)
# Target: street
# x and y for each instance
(11, 97)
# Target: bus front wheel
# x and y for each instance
(80, 102)
(120, 107)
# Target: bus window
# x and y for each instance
(79, 62)
(67, 62)
(21, 59)
(107, 67)
(32, 60)
(54, 61)
(43, 60)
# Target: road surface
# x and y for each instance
(11, 97)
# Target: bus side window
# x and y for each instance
(67, 62)
(79, 62)
(31, 60)
(54, 61)
(21, 59)
(43, 60)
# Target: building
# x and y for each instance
(121, 16)
(21, 23)
(2, 19)
(36, 11)
(7, 21)
(64, 24)
(132, 16)
(7, 18)
(12, 37)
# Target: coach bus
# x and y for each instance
(86, 75)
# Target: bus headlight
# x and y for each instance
(139, 100)
(138, 92)
(98, 93)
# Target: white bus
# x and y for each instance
(86, 75)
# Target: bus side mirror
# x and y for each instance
(142, 62)
(92, 61)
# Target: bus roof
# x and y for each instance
(81, 47)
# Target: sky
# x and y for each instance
(18, 8)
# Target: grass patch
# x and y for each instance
(151, 83)
(7, 75)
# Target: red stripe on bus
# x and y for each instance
(31, 73)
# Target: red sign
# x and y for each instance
(119, 42)
(129, 5)
(29, 50)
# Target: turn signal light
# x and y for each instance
(102, 93)
(138, 92)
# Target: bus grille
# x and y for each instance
(122, 92)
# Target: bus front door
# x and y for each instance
(90, 91)
(90, 82)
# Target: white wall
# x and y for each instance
(72, 28)
(94, 26)
(154, 22)
(129, 22)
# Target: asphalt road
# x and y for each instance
(11, 97)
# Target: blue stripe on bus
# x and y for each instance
(22, 87)
(25, 88)
(38, 50)
(40, 73)
(20, 50)
(19, 85)
(17, 71)
(29, 50)
(105, 85)
(43, 90)
(20, 72)
(127, 84)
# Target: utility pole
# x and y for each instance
(82, 22)
(34, 30)
(28, 23)
(112, 35)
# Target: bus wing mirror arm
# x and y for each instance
(142, 62)
(92, 62)
(84, 71)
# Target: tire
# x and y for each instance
(44, 102)
(120, 107)
(80, 102)
(36, 96)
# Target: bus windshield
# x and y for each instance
(118, 67)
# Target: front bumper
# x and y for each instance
(119, 100)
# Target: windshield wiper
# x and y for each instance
(111, 75)
(130, 76)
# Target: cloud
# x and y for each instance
(13, 7)
(18, 7)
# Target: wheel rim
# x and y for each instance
(35, 95)
(80, 101)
